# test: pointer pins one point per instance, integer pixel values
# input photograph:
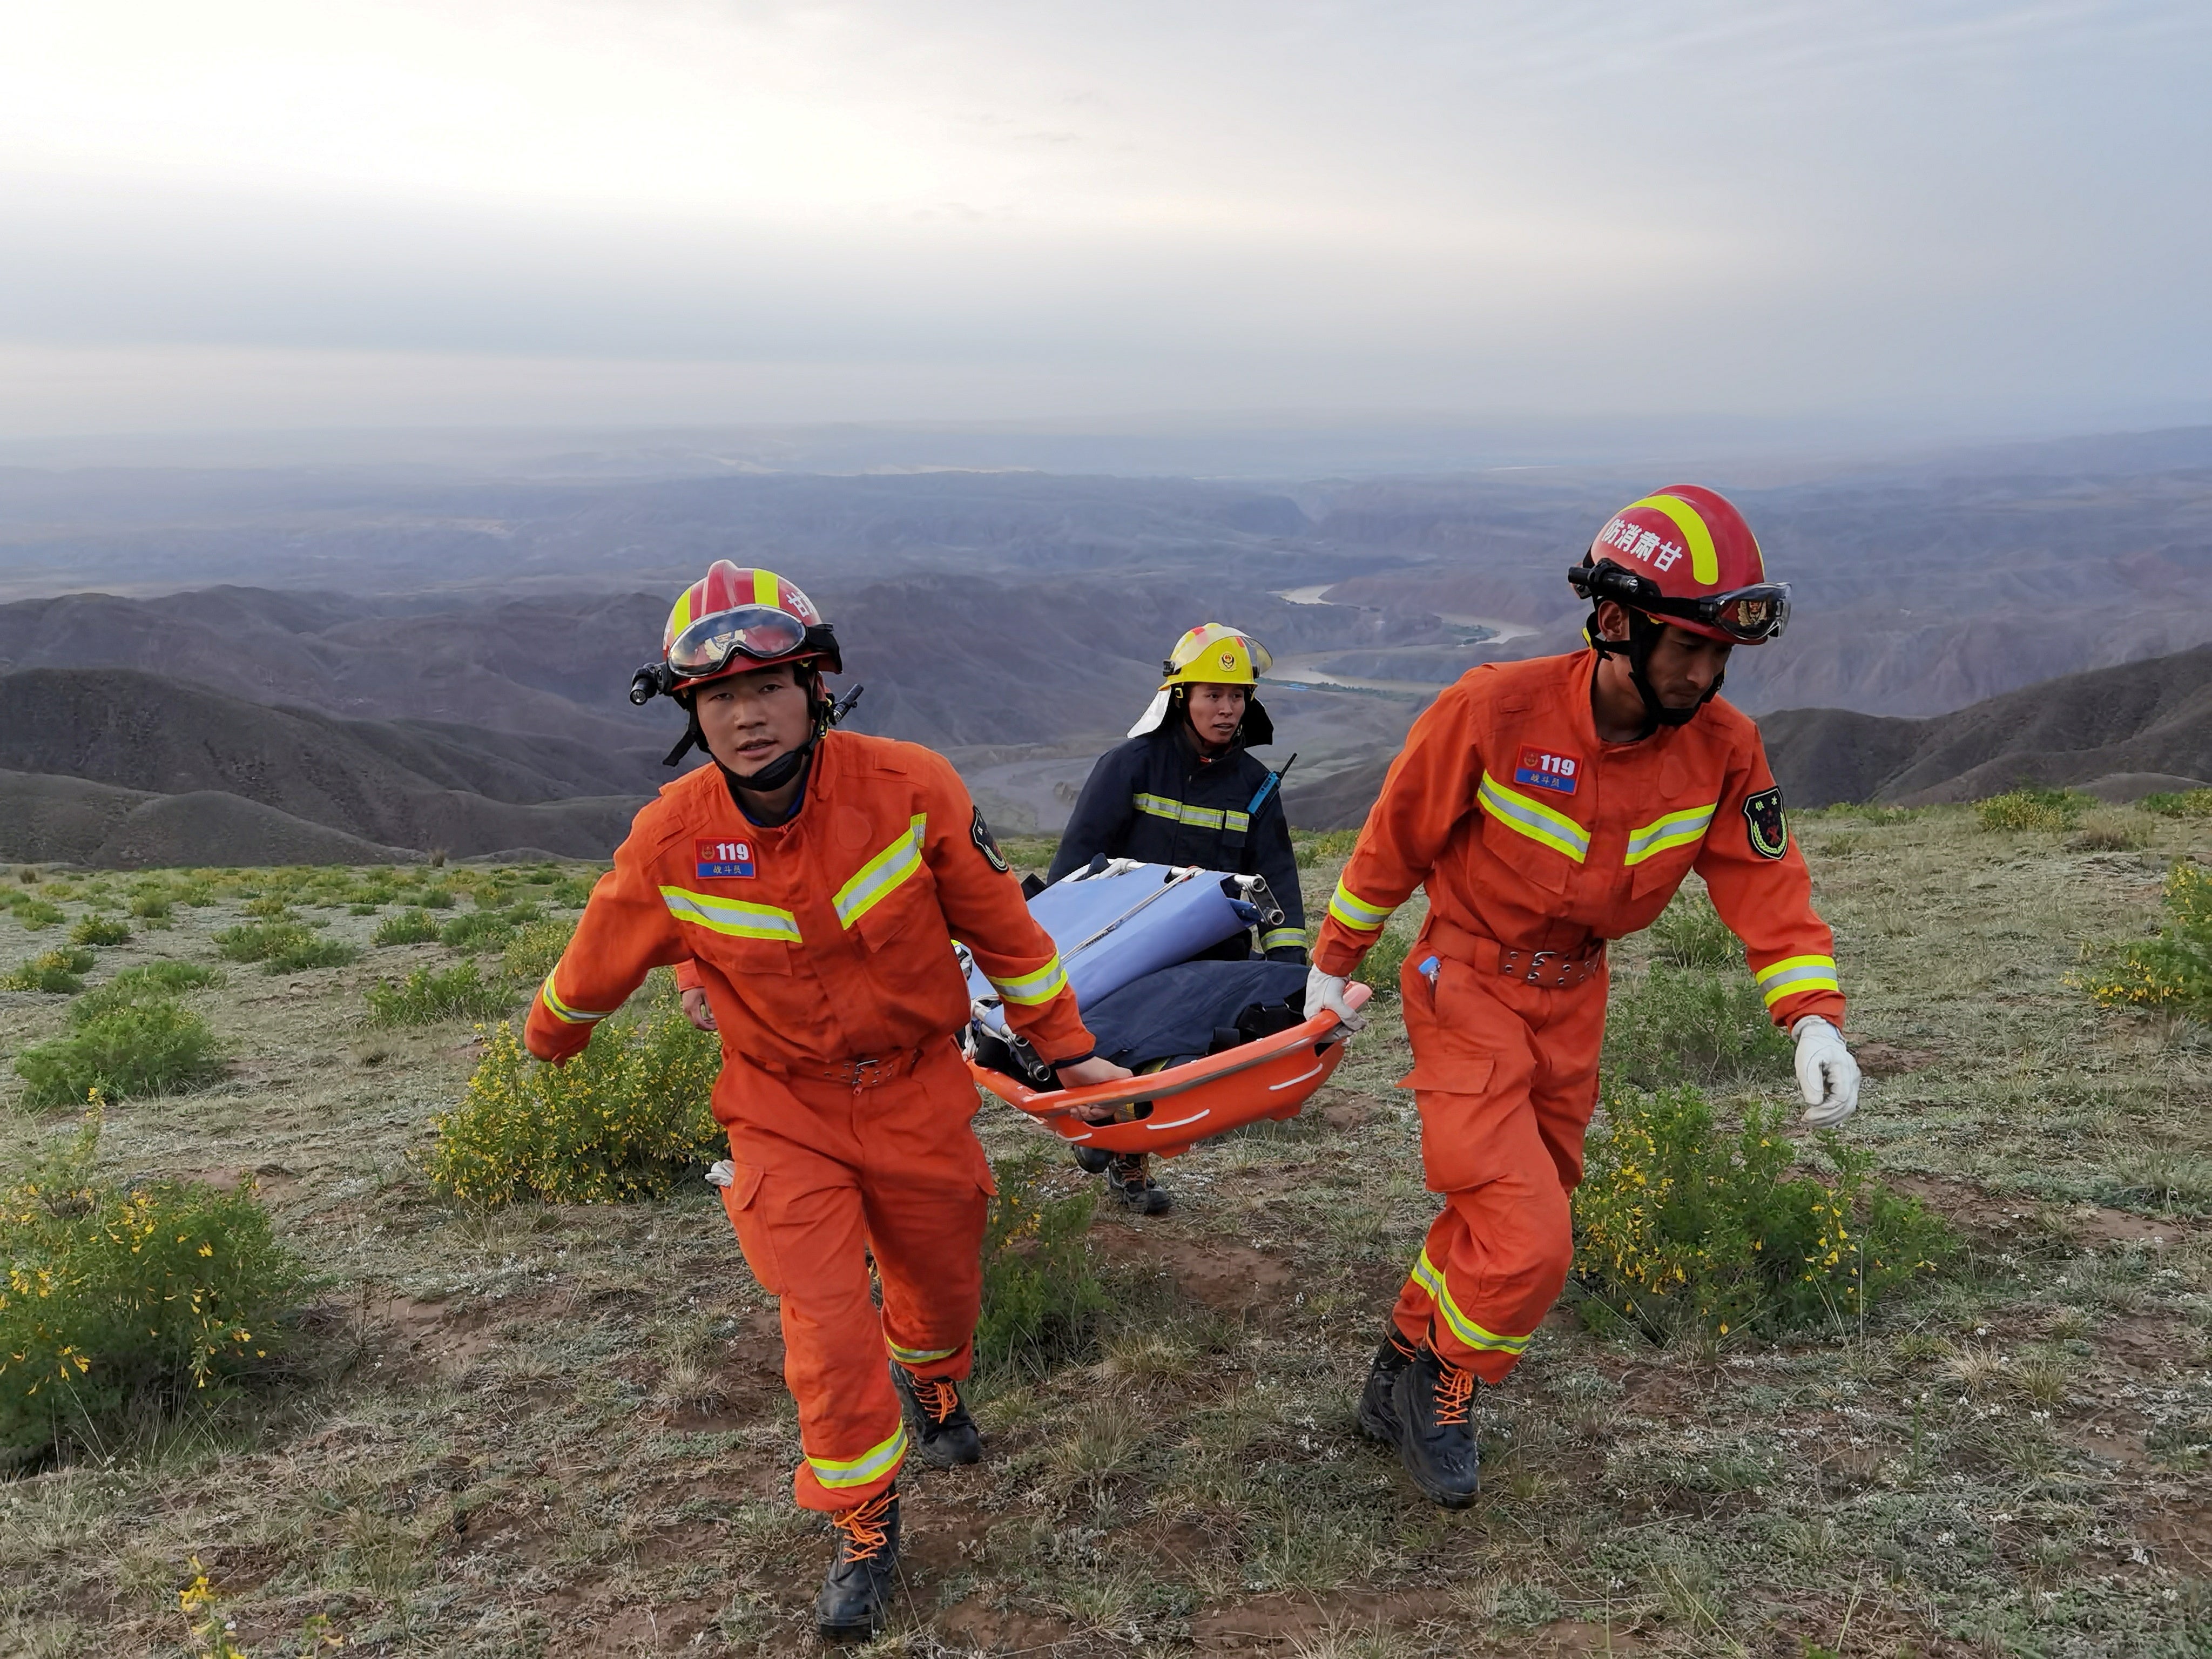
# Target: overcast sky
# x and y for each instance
(370, 212)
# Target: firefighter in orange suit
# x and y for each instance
(816, 879)
(1548, 806)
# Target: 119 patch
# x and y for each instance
(1542, 769)
(723, 859)
(1768, 828)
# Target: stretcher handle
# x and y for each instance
(1322, 1029)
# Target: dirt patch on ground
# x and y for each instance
(1227, 1277)
(1892, 1059)
(440, 1338)
(2085, 1225)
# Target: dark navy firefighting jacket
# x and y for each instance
(1157, 798)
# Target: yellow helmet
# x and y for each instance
(1214, 653)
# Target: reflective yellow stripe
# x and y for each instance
(1030, 989)
(726, 916)
(872, 1464)
(1202, 817)
(1426, 1275)
(1355, 912)
(1791, 974)
(1704, 563)
(562, 1010)
(917, 1356)
(764, 589)
(1675, 829)
(1283, 939)
(881, 874)
(1533, 819)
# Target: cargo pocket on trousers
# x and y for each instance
(1451, 1074)
(742, 1200)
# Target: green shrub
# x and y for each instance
(1380, 966)
(2172, 972)
(271, 907)
(1319, 848)
(2187, 803)
(407, 927)
(282, 947)
(1681, 1224)
(534, 951)
(154, 981)
(1042, 1296)
(626, 1118)
(153, 1048)
(1690, 933)
(479, 930)
(123, 1299)
(437, 898)
(571, 892)
(100, 930)
(2031, 808)
(155, 909)
(36, 913)
(424, 997)
(1681, 1025)
(56, 971)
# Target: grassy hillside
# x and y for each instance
(550, 1430)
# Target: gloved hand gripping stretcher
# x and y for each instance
(1119, 923)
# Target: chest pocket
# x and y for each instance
(736, 934)
(1543, 845)
(1661, 852)
(890, 892)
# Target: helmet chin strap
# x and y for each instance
(1644, 633)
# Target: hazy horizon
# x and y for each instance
(1954, 222)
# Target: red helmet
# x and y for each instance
(1685, 555)
(735, 619)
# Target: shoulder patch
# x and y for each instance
(1768, 828)
(980, 832)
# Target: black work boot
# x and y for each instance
(1133, 1189)
(1378, 1408)
(1093, 1160)
(938, 1422)
(856, 1596)
(1435, 1402)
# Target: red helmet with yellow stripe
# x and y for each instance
(1685, 556)
(734, 619)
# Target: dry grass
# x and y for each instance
(563, 1430)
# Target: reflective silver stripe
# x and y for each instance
(1431, 1280)
(1283, 939)
(878, 1460)
(1201, 818)
(562, 1010)
(1675, 829)
(729, 916)
(1355, 912)
(917, 1356)
(1532, 819)
(882, 874)
(1030, 989)
(1795, 974)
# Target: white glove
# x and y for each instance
(1325, 992)
(1825, 1072)
(722, 1173)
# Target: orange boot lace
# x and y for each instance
(862, 1528)
(936, 1396)
(1454, 1392)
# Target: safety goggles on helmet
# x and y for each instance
(711, 644)
(1747, 615)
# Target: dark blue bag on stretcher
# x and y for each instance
(1125, 923)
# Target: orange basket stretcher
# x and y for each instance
(1169, 1111)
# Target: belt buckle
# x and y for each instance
(1536, 961)
(867, 1073)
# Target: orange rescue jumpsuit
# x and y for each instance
(824, 947)
(1533, 836)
